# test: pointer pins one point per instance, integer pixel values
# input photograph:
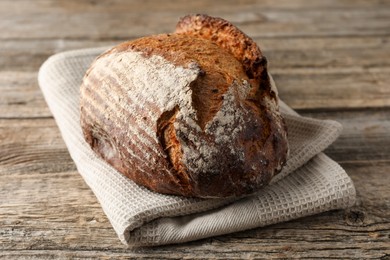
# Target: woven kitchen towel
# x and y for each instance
(310, 183)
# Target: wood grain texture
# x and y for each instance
(365, 136)
(76, 226)
(32, 145)
(330, 60)
(109, 21)
(21, 96)
(298, 52)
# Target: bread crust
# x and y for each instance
(191, 113)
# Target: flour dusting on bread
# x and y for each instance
(192, 113)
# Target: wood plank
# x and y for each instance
(32, 146)
(365, 136)
(99, 22)
(23, 6)
(21, 96)
(328, 52)
(28, 55)
(61, 210)
(316, 52)
(64, 219)
(334, 88)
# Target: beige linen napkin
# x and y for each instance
(310, 183)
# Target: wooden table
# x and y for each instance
(330, 60)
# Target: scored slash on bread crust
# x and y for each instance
(191, 113)
(230, 38)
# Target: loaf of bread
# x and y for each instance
(192, 113)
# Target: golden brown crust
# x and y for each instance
(230, 92)
(218, 68)
(228, 37)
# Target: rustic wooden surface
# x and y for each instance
(330, 60)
